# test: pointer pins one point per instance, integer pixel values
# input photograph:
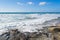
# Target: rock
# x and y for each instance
(12, 35)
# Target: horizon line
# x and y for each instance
(13, 11)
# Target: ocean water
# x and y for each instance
(27, 21)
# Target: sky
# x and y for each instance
(29, 5)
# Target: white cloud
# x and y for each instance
(19, 3)
(30, 3)
(42, 3)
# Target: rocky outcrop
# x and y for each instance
(17, 35)
(12, 35)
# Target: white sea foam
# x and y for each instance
(24, 22)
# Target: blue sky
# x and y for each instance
(29, 5)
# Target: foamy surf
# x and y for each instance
(24, 22)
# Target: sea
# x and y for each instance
(27, 21)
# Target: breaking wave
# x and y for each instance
(24, 22)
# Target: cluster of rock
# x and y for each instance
(12, 35)
(17, 35)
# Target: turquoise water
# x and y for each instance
(29, 12)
